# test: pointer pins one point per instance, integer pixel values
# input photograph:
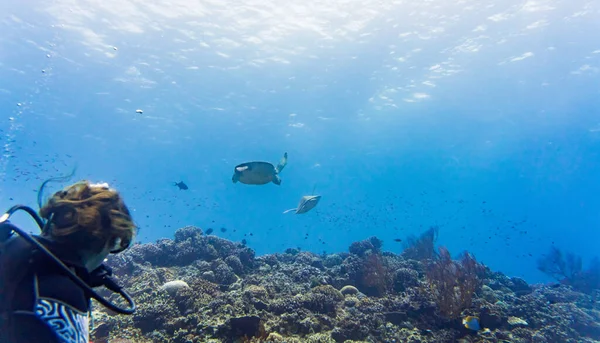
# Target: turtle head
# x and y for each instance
(238, 171)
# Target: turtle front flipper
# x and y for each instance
(282, 164)
(277, 180)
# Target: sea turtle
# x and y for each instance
(258, 172)
(307, 203)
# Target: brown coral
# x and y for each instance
(452, 283)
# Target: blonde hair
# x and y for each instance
(87, 215)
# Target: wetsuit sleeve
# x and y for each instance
(62, 289)
(63, 306)
(29, 328)
(59, 313)
(69, 324)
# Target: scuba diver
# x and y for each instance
(47, 280)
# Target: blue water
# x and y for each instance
(481, 119)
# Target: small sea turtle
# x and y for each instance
(259, 173)
(307, 203)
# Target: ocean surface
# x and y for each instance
(481, 118)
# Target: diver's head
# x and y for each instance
(91, 218)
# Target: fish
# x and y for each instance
(307, 203)
(471, 323)
(181, 185)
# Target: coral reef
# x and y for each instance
(199, 288)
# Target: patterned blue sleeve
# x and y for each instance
(70, 325)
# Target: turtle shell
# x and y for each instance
(254, 173)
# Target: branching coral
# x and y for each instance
(559, 267)
(568, 270)
(421, 248)
(453, 283)
(377, 279)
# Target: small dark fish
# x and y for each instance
(397, 240)
(223, 229)
(181, 185)
(209, 231)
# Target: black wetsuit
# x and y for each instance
(47, 306)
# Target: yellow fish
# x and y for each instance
(471, 323)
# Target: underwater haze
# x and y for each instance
(478, 117)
